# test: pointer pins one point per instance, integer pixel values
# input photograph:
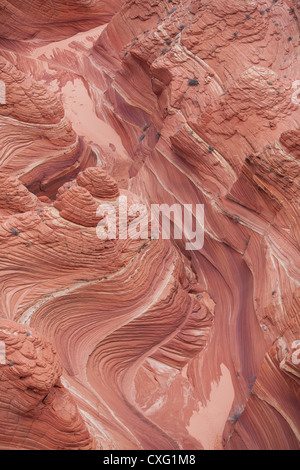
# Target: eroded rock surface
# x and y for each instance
(140, 344)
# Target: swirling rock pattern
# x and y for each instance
(55, 19)
(138, 344)
(37, 412)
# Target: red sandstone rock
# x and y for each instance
(37, 412)
(56, 19)
(99, 183)
(160, 348)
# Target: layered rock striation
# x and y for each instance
(139, 343)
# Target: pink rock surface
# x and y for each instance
(55, 19)
(37, 412)
(139, 344)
